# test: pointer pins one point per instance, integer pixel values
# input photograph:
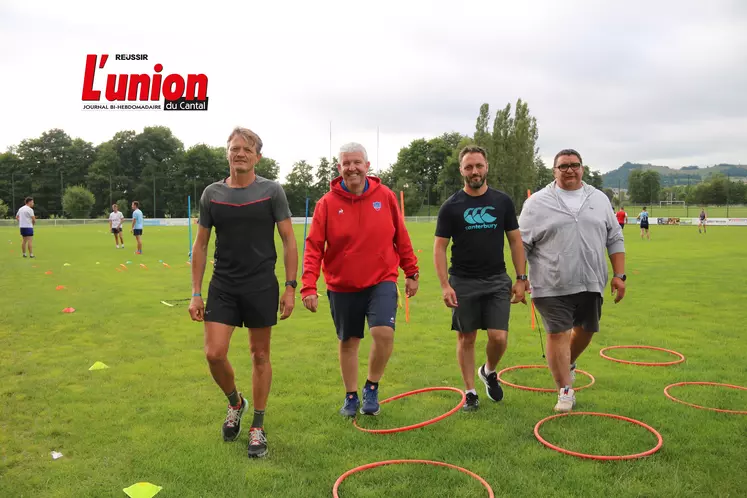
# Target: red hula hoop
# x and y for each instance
(720, 410)
(541, 389)
(643, 363)
(600, 457)
(393, 462)
(420, 424)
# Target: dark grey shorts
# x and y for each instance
(561, 313)
(350, 310)
(484, 303)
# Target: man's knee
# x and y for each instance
(467, 338)
(215, 354)
(498, 336)
(382, 333)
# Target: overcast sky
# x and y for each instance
(640, 81)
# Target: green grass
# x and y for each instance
(155, 414)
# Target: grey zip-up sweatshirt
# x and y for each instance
(566, 251)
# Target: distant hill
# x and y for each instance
(669, 176)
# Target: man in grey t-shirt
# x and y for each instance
(244, 210)
(566, 228)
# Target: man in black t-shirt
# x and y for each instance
(477, 288)
(244, 210)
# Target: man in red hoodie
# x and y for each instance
(357, 231)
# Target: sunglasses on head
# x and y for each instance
(573, 166)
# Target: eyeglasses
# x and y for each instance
(573, 166)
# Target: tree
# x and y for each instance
(644, 186)
(592, 177)
(3, 210)
(123, 206)
(267, 168)
(544, 175)
(298, 185)
(609, 193)
(78, 201)
(325, 173)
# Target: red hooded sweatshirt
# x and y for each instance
(365, 237)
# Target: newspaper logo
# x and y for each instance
(141, 90)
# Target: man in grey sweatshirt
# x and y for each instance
(565, 228)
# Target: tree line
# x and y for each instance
(644, 187)
(69, 177)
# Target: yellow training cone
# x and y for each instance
(98, 366)
(142, 490)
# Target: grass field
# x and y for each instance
(155, 414)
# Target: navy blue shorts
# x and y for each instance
(350, 310)
(27, 232)
(137, 231)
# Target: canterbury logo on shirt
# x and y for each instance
(479, 219)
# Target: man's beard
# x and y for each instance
(476, 182)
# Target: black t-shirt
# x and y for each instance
(244, 220)
(476, 226)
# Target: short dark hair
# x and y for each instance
(567, 152)
(27, 200)
(469, 149)
(136, 203)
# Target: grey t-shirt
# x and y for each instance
(244, 220)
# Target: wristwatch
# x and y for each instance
(414, 276)
(292, 283)
(521, 277)
(621, 276)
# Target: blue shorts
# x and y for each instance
(137, 231)
(27, 232)
(350, 310)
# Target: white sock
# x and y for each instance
(488, 372)
(472, 391)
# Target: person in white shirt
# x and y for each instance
(115, 225)
(26, 221)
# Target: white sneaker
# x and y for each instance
(117, 246)
(566, 400)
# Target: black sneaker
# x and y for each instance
(472, 403)
(492, 386)
(232, 424)
(257, 443)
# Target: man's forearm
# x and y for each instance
(618, 262)
(290, 258)
(439, 260)
(518, 257)
(199, 260)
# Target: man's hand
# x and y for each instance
(411, 287)
(197, 309)
(311, 302)
(618, 286)
(517, 292)
(287, 303)
(450, 299)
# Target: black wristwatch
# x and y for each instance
(521, 277)
(292, 283)
(621, 276)
(414, 276)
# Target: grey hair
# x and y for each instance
(247, 135)
(354, 147)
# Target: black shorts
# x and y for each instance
(484, 303)
(254, 310)
(115, 231)
(27, 232)
(644, 225)
(350, 310)
(137, 231)
(622, 225)
(561, 313)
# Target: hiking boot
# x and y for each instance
(232, 424)
(472, 403)
(257, 443)
(566, 400)
(370, 400)
(350, 406)
(492, 386)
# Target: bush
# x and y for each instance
(123, 206)
(3, 209)
(78, 201)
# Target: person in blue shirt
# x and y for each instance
(137, 226)
(643, 217)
